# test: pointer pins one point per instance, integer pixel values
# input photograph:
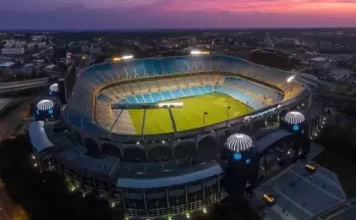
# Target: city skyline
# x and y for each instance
(142, 14)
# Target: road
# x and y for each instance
(8, 125)
(20, 85)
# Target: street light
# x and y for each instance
(227, 115)
(205, 113)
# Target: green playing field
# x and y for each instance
(191, 115)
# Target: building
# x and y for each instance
(6, 65)
(38, 37)
(175, 174)
(49, 68)
(27, 69)
(12, 51)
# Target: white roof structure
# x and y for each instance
(38, 136)
(45, 104)
(54, 87)
(50, 66)
(239, 142)
(294, 118)
(319, 59)
(28, 65)
(6, 64)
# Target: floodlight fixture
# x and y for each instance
(170, 105)
(198, 52)
(290, 79)
(126, 57)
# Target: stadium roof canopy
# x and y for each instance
(54, 87)
(38, 136)
(45, 104)
(294, 118)
(213, 170)
(239, 142)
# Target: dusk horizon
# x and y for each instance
(174, 14)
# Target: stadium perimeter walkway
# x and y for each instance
(299, 195)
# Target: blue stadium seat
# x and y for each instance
(187, 92)
(166, 95)
(140, 99)
(166, 66)
(209, 88)
(156, 97)
(195, 91)
(156, 64)
(148, 98)
(177, 93)
(132, 99)
(148, 67)
(139, 68)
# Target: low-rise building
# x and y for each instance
(12, 51)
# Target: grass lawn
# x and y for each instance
(191, 115)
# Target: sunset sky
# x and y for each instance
(133, 14)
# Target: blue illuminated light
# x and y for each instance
(302, 131)
(50, 111)
(295, 128)
(37, 112)
(50, 92)
(237, 156)
(248, 161)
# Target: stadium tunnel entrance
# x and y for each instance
(160, 153)
(111, 150)
(135, 154)
(208, 149)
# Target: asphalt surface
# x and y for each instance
(8, 124)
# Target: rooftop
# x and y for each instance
(319, 59)
(299, 194)
(6, 64)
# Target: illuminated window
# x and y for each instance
(237, 156)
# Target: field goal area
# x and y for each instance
(197, 111)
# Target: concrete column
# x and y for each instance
(145, 202)
(204, 193)
(167, 198)
(219, 191)
(196, 143)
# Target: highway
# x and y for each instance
(21, 85)
(8, 125)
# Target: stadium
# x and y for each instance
(147, 134)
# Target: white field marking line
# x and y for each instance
(286, 215)
(321, 189)
(275, 177)
(337, 181)
(292, 201)
(330, 206)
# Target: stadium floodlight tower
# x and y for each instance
(296, 123)
(242, 163)
(198, 52)
(293, 121)
(53, 89)
(45, 110)
(126, 57)
(294, 117)
(145, 107)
